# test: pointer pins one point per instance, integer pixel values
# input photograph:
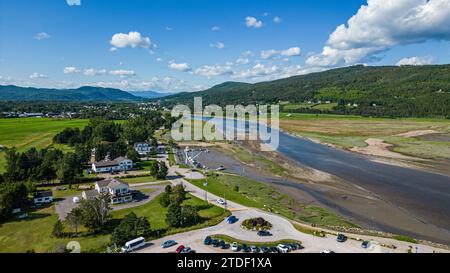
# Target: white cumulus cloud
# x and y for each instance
(214, 70)
(73, 2)
(71, 70)
(380, 25)
(253, 22)
(277, 20)
(36, 75)
(122, 73)
(184, 67)
(218, 45)
(94, 72)
(42, 36)
(215, 28)
(415, 61)
(290, 52)
(133, 39)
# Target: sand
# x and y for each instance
(377, 147)
(417, 133)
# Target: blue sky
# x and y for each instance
(192, 45)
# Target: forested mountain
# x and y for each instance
(85, 93)
(149, 94)
(395, 91)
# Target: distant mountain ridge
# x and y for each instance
(388, 91)
(85, 93)
(150, 94)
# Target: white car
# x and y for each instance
(235, 247)
(327, 251)
(282, 248)
(222, 202)
(76, 200)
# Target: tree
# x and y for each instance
(133, 155)
(178, 194)
(129, 228)
(96, 212)
(164, 200)
(154, 168)
(75, 218)
(58, 229)
(173, 216)
(162, 172)
(69, 168)
(12, 195)
(189, 216)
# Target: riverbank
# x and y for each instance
(359, 205)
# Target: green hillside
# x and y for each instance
(393, 91)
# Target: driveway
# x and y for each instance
(64, 206)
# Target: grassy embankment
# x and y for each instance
(258, 195)
(35, 232)
(352, 131)
(230, 240)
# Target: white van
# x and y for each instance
(133, 244)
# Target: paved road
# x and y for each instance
(282, 229)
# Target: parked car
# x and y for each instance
(264, 233)
(292, 246)
(221, 244)
(179, 249)
(283, 248)
(264, 249)
(215, 243)
(245, 248)
(186, 250)
(220, 168)
(76, 200)
(327, 251)
(232, 219)
(299, 246)
(341, 238)
(168, 243)
(273, 249)
(254, 249)
(225, 246)
(235, 247)
(207, 241)
(365, 244)
(222, 202)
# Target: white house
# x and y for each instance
(43, 197)
(117, 189)
(143, 148)
(117, 165)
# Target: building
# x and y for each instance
(143, 148)
(117, 165)
(116, 188)
(43, 197)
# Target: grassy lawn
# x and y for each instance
(24, 133)
(231, 240)
(143, 179)
(67, 192)
(263, 196)
(35, 232)
(352, 131)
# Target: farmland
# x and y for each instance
(24, 133)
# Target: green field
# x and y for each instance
(255, 194)
(35, 232)
(352, 131)
(24, 133)
(316, 106)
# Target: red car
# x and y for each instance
(179, 249)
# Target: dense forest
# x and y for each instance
(387, 91)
